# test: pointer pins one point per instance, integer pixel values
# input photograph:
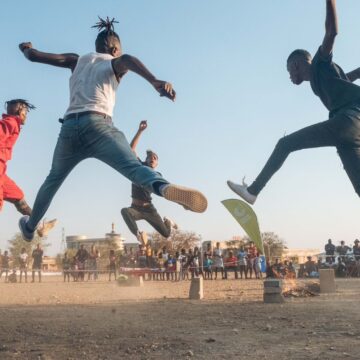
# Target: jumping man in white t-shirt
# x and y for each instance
(87, 130)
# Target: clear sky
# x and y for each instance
(226, 60)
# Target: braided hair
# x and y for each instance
(20, 101)
(106, 30)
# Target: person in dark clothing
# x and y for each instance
(5, 259)
(339, 95)
(37, 256)
(330, 252)
(341, 270)
(269, 270)
(343, 250)
(356, 250)
(66, 265)
(81, 256)
(112, 264)
(142, 207)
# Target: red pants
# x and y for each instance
(8, 189)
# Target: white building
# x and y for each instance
(74, 241)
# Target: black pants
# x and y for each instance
(149, 214)
(341, 131)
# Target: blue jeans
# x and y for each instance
(91, 136)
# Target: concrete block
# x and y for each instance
(327, 281)
(272, 290)
(273, 299)
(196, 289)
(272, 283)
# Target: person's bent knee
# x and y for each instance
(283, 145)
(165, 233)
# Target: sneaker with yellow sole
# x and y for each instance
(190, 199)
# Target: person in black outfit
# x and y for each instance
(330, 252)
(81, 256)
(356, 250)
(37, 256)
(142, 207)
(339, 95)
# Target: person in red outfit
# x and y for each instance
(10, 127)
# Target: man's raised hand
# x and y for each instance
(143, 125)
(164, 89)
(25, 45)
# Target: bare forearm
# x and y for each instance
(67, 60)
(135, 140)
(331, 27)
(331, 23)
(130, 63)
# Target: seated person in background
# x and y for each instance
(277, 269)
(269, 270)
(311, 269)
(292, 270)
(341, 270)
(289, 271)
(12, 278)
(231, 264)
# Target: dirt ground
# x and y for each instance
(101, 320)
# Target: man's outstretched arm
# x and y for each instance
(125, 63)
(61, 60)
(331, 28)
(354, 75)
(135, 140)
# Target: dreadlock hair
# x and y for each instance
(20, 101)
(106, 30)
(299, 54)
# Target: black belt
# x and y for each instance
(77, 115)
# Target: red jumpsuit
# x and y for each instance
(9, 132)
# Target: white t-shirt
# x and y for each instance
(23, 259)
(93, 85)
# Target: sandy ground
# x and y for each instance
(101, 320)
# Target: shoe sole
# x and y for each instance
(192, 199)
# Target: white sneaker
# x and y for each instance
(45, 227)
(242, 191)
(172, 223)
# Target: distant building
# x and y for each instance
(223, 244)
(299, 256)
(49, 263)
(74, 241)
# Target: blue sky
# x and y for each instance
(226, 61)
